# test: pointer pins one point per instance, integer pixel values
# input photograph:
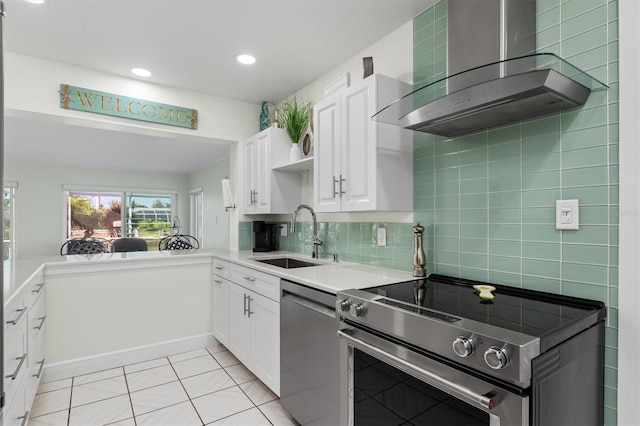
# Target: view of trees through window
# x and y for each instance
(110, 215)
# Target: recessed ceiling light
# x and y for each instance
(35, 1)
(141, 72)
(246, 59)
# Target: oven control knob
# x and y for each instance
(496, 358)
(463, 346)
(343, 304)
(357, 310)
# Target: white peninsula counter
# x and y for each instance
(103, 310)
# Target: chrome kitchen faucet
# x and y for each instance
(317, 242)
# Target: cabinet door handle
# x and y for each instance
(217, 281)
(245, 305)
(24, 418)
(15, 373)
(39, 327)
(16, 319)
(341, 180)
(249, 279)
(337, 194)
(249, 312)
(219, 268)
(37, 376)
(38, 288)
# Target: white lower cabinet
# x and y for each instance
(240, 339)
(254, 322)
(254, 334)
(221, 310)
(221, 301)
(23, 349)
(265, 326)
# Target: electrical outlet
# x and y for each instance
(382, 237)
(283, 230)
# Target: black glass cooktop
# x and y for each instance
(526, 311)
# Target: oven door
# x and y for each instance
(385, 383)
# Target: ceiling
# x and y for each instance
(192, 44)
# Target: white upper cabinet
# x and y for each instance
(267, 190)
(361, 164)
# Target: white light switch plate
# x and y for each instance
(567, 215)
(382, 237)
(283, 230)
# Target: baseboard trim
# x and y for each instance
(75, 367)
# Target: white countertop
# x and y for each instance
(330, 277)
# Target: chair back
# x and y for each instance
(125, 244)
(178, 242)
(83, 246)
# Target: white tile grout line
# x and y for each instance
(181, 384)
(185, 389)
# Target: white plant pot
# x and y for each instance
(295, 154)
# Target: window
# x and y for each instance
(195, 224)
(114, 214)
(8, 225)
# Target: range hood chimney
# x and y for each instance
(494, 75)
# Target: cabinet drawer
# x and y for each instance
(14, 310)
(34, 372)
(15, 356)
(221, 268)
(16, 412)
(35, 287)
(264, 284)
(36, 319)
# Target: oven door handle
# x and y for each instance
(446, 385)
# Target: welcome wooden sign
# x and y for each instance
(81, 99)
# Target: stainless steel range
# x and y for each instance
(445, 351)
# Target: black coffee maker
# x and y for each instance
(264, 236)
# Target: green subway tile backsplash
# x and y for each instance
(506, 180)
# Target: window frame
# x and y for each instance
(12, 187)
(123, 191)
(196, 214)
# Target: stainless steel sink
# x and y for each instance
(287, 262)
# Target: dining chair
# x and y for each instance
(89, 245)
(125, 244)
(178, 242)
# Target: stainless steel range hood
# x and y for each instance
(494, 76)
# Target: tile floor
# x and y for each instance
(208, 386)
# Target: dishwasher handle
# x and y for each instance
(321, 308)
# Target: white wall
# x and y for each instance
(40, 204)
(629, 297)
(215, 220)
(392, 56)
(32, 85)
(92, 312)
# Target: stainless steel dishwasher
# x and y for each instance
(309, 355)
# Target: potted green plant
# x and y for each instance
(295, 118)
